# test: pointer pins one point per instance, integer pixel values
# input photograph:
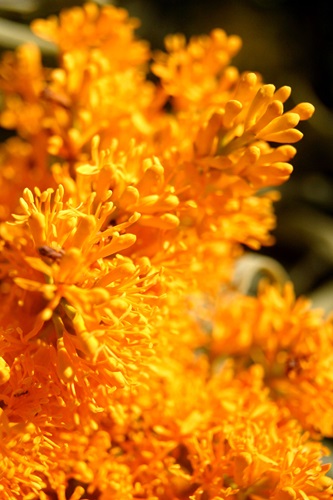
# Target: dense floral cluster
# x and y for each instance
(131, 364)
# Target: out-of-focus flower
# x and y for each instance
(290, 340)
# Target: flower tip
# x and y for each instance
(309, 109)
(305, 110)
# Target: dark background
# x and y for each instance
(289, 43)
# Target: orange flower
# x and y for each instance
(290, 340)
(88, 300)
(193, 73)
(128, 221)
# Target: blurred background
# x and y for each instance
(289, 42)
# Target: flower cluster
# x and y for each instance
(131, 364)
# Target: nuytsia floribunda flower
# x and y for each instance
(132, 366)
